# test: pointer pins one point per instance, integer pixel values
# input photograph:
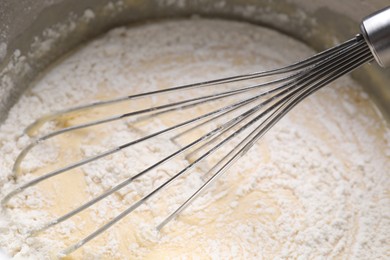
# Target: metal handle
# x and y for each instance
(376, 31)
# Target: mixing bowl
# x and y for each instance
(36, 33)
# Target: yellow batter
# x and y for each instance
(316, 186)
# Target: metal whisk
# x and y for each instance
(242, 115)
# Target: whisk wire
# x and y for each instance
(283, 106)
(261, 106)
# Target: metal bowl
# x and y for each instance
(35, 33)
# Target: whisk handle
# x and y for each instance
(376, 31)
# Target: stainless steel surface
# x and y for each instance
(245, 113)
(376, 31)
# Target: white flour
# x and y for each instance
(317, 185)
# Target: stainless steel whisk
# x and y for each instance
(245, 119)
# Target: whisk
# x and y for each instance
(242, 114)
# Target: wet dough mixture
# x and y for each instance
(316, 186)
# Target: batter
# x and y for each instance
(316, 186)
